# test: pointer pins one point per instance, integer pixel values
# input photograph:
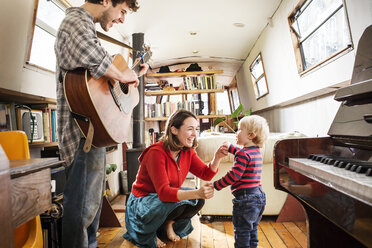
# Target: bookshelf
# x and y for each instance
(194, 82)
(198, 116)
(182, 74)
(180, 92)
(184, 92)
(13, 98)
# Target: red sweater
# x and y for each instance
(159, 172)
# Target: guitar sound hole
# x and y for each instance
(124, 88)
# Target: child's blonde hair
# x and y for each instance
(257, 125)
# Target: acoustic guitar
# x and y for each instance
(102, 107)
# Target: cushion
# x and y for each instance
(209, 142)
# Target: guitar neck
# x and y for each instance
(136, 66)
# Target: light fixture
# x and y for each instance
(193, 33)
(195, 51)
(239, 24)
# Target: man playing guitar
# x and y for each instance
(77, 46)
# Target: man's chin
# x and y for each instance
(106, 27)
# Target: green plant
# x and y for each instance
(235, 115)
(110, 168)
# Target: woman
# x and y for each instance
(158, 205)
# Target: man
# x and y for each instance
(76, 46)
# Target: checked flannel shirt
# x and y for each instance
(76, 46)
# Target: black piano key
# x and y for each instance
(354, 167)
(341, 164)
(318, 158)
(348, 166)
(363, 168)
(331, 161)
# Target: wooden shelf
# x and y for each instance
(19, 97)
(15, 97)
(186, 73)
(43, 144)
(198, 116)
(179, 92)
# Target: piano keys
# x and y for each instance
(346, 181)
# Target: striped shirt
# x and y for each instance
(76, 46)
(246, 170)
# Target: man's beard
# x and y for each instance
(105, 19)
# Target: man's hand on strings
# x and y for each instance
(143, 70)
(129, 76)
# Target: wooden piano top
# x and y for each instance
(20, 167)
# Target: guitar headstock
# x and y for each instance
(145, 54)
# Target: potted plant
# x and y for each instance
(109, 178)
(235, 116)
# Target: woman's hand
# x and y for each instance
(226, 144)
(206, 191)
(222, 151)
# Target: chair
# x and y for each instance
(15, 145)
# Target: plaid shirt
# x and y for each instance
(76, 46)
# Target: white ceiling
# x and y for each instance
(167, 24)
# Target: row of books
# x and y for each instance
(165, 109)
(39, 122)
(206, 82)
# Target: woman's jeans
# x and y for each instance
(249, 205)
(82, 198)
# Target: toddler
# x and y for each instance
(245, 179)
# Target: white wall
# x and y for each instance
(284, 81)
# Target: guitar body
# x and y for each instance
(102, 100)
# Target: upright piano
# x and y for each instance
(332, 176)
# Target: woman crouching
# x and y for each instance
(157, 205)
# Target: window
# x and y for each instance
(50, 14)
(234, 99)
(316, 40)
(258, 77)
(223, 105)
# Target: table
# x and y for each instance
(25, 192)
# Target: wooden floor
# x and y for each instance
(218, 234)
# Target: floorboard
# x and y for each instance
(218, 234)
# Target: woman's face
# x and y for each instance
(188, 132)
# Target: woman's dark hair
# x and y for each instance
(170, 141)
(132, 4)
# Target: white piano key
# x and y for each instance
(354, 184)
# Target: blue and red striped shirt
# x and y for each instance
(246, 170)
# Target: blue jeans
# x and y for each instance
(82, 198)
(249, 205)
